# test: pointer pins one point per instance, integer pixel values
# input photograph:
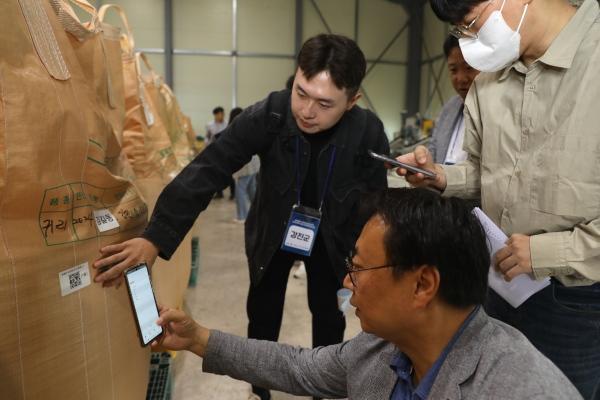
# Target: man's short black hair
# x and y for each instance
(290, 82)
(424, 228)
(338, 55)
(453, 11)
(450, 43)
(217, 110)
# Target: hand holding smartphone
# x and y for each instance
(410, 168)
(143, 303)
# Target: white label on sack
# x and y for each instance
(147, 113)
(74, 279)
(149, 116)
(105, 221)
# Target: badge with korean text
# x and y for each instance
(301, 230)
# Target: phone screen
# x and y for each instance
(144, 303)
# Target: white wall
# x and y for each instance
(202, 82)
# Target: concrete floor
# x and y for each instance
(219, 301)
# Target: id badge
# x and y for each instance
(301, 230)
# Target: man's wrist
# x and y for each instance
(440, 182)
(200, 341)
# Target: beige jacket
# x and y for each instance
(533, 138)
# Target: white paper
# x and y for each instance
(522, 286)
(74, 279)
(105, 221)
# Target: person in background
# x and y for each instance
(216, 126)
(312, 142)
(245, 185)
(531, 134)
(418, 275)
(446, 144)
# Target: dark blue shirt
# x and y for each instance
(402, 366)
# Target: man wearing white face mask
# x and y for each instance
(531, 134)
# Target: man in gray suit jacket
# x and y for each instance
(447, 137)
(418, 275)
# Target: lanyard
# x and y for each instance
(329, 171)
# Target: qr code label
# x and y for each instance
(74, 279)
(105, 221)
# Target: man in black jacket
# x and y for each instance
(312, 142)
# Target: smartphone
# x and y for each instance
(143, 303)
(396, 163)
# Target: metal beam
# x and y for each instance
(234, 58)
(298, 29)
(169, 42)
(436, 78)
(433, 59)
(407, 4)
(356, 19)
(321, 17)
(362, 88)
(385, 50)
(241, 54)
(415, 48)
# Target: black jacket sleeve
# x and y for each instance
(182, 200)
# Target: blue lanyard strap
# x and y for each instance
(298, 187)
(327, 179)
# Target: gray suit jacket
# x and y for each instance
(444, 127)
(490, 360)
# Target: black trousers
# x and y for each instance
(265, 301)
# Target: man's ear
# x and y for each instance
(427, 284)
(352, 101)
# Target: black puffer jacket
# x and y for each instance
(269, 130)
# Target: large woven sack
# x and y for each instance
(157, 136)
(175, 124)
(98, 44)
(54, 135)
(140, 152)
(143, 145)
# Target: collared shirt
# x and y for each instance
(455, 153)
(402, 366)
(533, 138)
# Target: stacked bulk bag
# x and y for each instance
(64, 336)
(155, 142)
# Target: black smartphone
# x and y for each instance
(396, 163)
(143, 303)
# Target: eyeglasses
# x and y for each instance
(351, 268)
(464, 31)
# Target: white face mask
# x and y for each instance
(496, 46)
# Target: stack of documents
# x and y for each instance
(522, 286)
